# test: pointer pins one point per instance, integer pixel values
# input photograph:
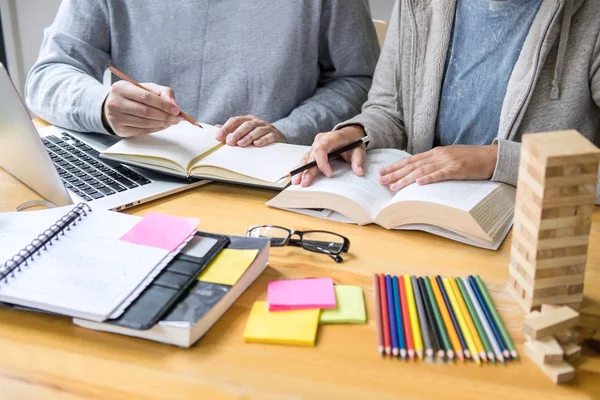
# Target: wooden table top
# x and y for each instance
(47, 357)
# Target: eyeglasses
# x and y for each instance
(322, 242)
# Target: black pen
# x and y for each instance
(331, 155)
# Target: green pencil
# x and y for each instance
(497, 319)
(475, 318)
(438, 319)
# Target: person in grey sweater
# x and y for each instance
(459, 82)
(268, 72)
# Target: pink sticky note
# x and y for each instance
(301, 294)
(161, 231)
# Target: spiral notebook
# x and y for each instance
(70, 261)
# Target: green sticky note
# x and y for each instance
(350, 307)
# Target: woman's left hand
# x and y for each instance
(441, 164)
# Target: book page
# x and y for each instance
(180, 143)
(364, 190)
(462, 195)
(269, 163)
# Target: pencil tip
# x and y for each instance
(395, 352)
(388, 351)
(506, 354)
(403, 354)
(420, 354)
(380, 350)
(514, 354)
(467, 354)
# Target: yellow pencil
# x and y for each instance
(461, 321)
(414, 318)
(468, 319)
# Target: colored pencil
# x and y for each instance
(377, 300)
(439, 321)
(459, 334)
(392, 315)
(497, 319)
(414, 317)
(461, 320)
(422, 318)
(468, 320)
(410, 347)
(475, 317)
(384, 316)
(446, 318)
(430, 319)
(398, 312)
(500, 355)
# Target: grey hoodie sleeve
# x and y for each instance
(64, 86)
(595, 73)
(348, 52)
(382, 117)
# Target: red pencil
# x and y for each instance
(384, 315)
(410, 346)
(377, 299)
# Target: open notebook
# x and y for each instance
(70, 261)
(187, 151)
(479, 213)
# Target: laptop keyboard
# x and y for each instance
(84, 174)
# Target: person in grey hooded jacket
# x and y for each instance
(460, 82)
(282, 71)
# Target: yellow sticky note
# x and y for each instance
(350, 307)
(298, 327)
(228, 266)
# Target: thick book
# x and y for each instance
(187, 151)
(200, 308)
(70, 261)
(478, 213)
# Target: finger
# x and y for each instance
(255, 134)
(129, 107)
(396, 175)
(218, 126)
(231, 125)
(140, 122)
(437, 176)
(162, 91)
(241, 132)
(308, 176)
(357, 160)
(271, 137)
(413, 176)
(404, 163)
(296, 179)
(136, 94)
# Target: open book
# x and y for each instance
(475, 212)
(187, 151)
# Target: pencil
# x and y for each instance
(333, 154)
(128, 79)
(461, 320)
(398, 310)
(410, 348)
(422, 318)
(498, 348)
(475, 317)
(459, 334)
(430, 319)
(384, 315)
(377, 300)
(497, 319)
(414, 318)
(446, 318)
(392, 315)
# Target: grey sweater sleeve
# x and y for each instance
(382, 117)
(348, 52)
(64, 86)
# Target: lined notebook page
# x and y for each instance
(87, 273)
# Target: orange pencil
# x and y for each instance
(410, 346)
(446, 317)
(384, 315)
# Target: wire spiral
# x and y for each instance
(41, 243)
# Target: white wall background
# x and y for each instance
(24, 21)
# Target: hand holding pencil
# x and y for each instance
(133, 109)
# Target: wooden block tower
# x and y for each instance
(556, 194)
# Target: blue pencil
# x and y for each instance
(392, 314)
(400, 326)
(488, 316)
(459, 333)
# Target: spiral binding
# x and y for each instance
(41, 243)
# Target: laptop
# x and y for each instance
(63, 166)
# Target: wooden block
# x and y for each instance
(559, 144)
(549, 307)
(561, 372)
(545, 350)
(568, 336)
(546, 324)
(572, 352)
